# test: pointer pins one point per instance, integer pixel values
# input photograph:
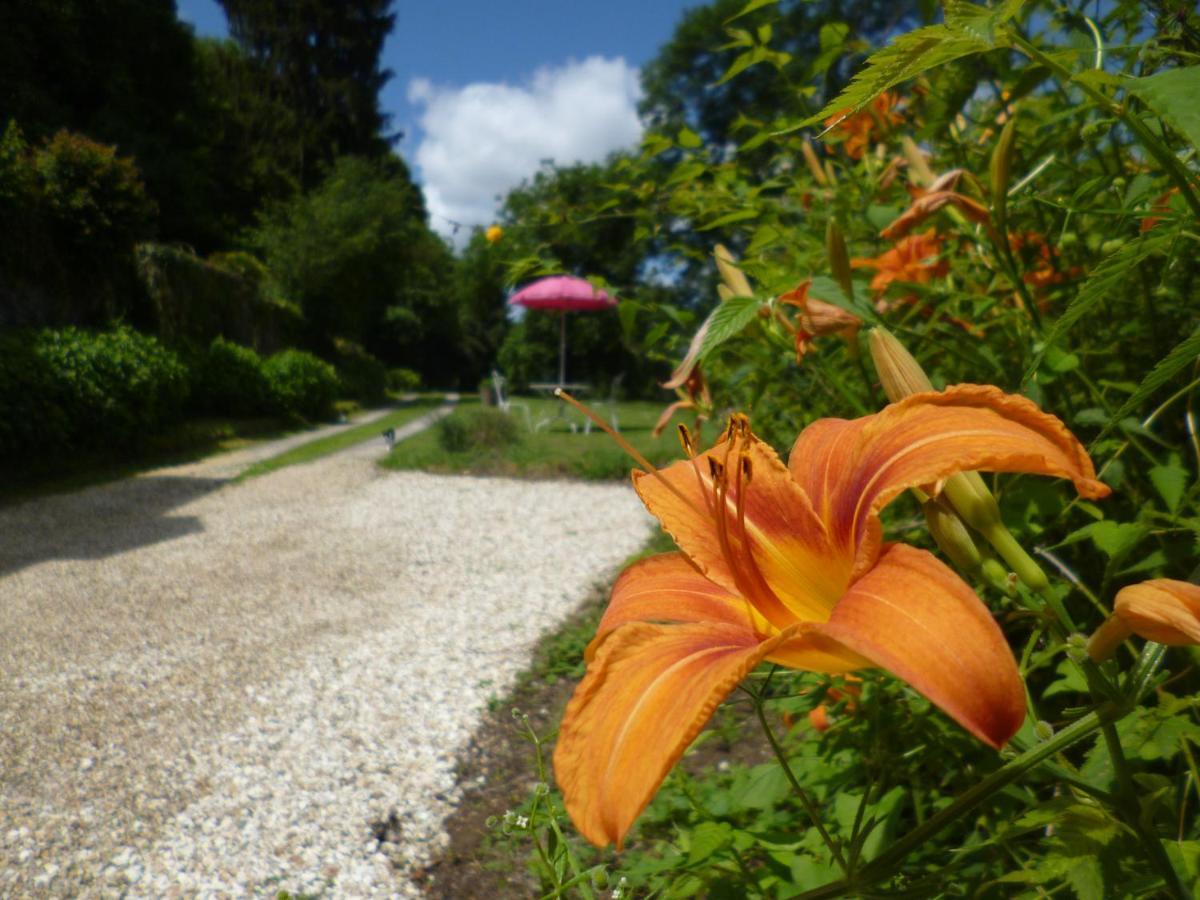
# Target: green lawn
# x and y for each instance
(340, 440)
(545, 445)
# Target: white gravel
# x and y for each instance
(214, 690)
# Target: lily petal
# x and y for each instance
(851, 469)
(1162, 610)
(786, 543)
(911, 615)
(648, 691)
(668, 588)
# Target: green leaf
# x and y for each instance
(708, 838)
(905, 57)
(739, 215)
(688, 138)
(1106, 278)
(979, 21)
(1170, 480)
(750, 7)
(1172, 97)
(1180, 357)
(727, 320)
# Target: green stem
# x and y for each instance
(810, 806)
(884, 865)
(1157, 148)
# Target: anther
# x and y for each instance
(747, 469)
(685, 438)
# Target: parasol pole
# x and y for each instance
(562, 349)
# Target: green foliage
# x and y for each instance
(403, 380)
(322, 61)
(73, 209)
(230, 296)
(67, 389)
(479, 430)
(301, 384)
(229, 379)
(357, 256)
(362, 376)
(1079, 295)
(1171, 95)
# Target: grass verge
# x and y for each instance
(348, 437)
(551, 443)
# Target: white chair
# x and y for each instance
(504, 404)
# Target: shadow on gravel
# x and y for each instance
(100, 521)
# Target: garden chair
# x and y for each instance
(611, 403)
(504, 404)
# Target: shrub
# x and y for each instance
(362, 376)
(401, 380)
(70, 389)
(479, 430)
(301, 384)
(229, 379)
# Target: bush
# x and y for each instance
(402, 380)
(362, 376)
(301, 384)
(70, 389)
(229, 380)
(478, 430)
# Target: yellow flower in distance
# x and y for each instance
(494, 234)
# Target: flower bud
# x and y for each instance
(951, 536)
(900, 374)
(733, 277)
(918, 167)
(1044, 730)
(1001, 169)
(839, 258)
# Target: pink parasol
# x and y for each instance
(563, 294)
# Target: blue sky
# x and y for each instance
(484, 90)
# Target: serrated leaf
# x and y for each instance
(979, 21)
(708, 838)
(907, 56)
(1170, 480)
(1180, 357)
(727, 320)
(1171, 95)
(763, 787)
(1106, 278)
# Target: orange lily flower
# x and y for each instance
(914, 259)
(818, 318)
(787, 564)
(1162, 610)
(858, 128)
(927, 201)
(1157, 209)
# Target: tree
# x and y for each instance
(357, 254)
(321, 59)
(683, 83)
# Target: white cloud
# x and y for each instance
(483, 139)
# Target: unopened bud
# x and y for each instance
(951, 536)
(733, 277)
(972, 500)
(899, 373)
(1001, 169)
(839, 258)
(599, 878)
(918, 168)
(1044, 730)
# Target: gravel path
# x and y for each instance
(210, 689)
